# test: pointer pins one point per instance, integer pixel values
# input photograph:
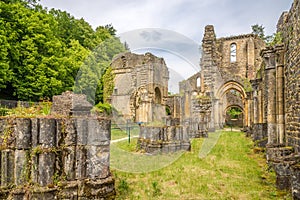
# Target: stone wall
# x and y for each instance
(141, 86)
(276, 102)
(167, 139)
(289, 26)
(56, 157)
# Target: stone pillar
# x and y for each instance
(249, 109)
(255, 108)
(270, 94)
(246, 106)
(280, 93)
(215, 114)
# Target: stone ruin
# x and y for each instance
(274, 103)
(61, 156)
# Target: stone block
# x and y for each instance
(35, 128)
(47, 132)
(98, 132)
(23, 133)
(34, 168)
(8, 134)
(296, 181)
(80, 165)
(70, 191)
(81, 125)
(21, 167)
(46, 168)
(70, 132)
(97, 162)
(99, 189)
(69, 159)
(44, 194)
(7, 167)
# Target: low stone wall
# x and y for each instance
(285, 162)
(259, 134)
(55, 158)
(196, 127)
(166, 139)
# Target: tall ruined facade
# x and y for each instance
(227, 67)
(140, 87)
(275, 102)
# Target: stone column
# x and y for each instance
(249, 108)
(255, 108)
(246, 107)
(270, 94)
(280, 93)
(215, 113)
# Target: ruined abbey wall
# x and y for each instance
(275, 102)
(247, 55)
(289, 26)
(58, 157)
(141, 86)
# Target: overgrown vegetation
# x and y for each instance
(42, 51)
(103, 108)
(40, 109)
(270, 40)
(230, 171)
(234, 112)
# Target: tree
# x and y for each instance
(260, 31)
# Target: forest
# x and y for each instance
(46, 52)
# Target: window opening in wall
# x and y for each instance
(157, 96)
(198, 84)
(233, 52)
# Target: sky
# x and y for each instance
(173, 29)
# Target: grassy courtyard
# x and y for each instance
(229, 171)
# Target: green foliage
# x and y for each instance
(4, 111)
(41, 52)
(40, 109)
(260, 31)
(168, 111)
(103, 108)
(247, 85)
(123, 187)
(277, 39)
(156, 189)
(108, 79)
(234, 112)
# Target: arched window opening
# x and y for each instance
(233, 52)
(157, 96)
(198, 82)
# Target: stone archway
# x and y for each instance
(237, 119)
(221, 102)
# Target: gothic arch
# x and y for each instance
(231, 85)
(220, 108)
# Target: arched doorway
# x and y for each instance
(231, 94)
(234, 116)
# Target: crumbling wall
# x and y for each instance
(55, 157)
(165, 139)
(140, 86)
(276, 100)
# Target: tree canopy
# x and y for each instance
(42, 51)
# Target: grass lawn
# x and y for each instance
(229, 171)
(121, 132)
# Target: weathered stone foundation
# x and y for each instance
(166, 139)
(55, 158)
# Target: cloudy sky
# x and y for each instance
(169, 28)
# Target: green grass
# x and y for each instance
(229, 171)
(118, 133)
